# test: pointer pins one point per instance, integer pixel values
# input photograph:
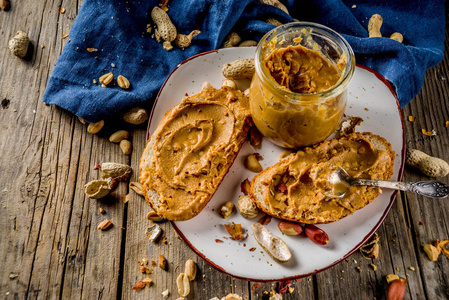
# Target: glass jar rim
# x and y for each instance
(294, 97)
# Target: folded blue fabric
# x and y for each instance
(117, 29)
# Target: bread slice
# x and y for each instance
(191, 151)
(297, 188)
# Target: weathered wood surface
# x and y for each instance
(50, 247)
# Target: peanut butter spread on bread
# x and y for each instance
(297, 188)
(192, 150)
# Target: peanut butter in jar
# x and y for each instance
(299, 92)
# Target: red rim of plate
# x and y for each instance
(387, 210)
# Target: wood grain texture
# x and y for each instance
(51, 249)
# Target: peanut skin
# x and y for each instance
(396, 290)
(290, 228)
(430, 166)
(316, 234)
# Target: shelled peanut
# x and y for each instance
(123, 82)
(290, 228)
(136, 116)
(229, 83)
(106, 79)
(183, 280)
(183, 284)
(190, 269)
(126, 147)
(94, 128)
(118, 136)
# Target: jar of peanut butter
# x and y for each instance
(299, 92)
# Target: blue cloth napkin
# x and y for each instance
(117, 29)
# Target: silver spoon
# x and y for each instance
(342, 181)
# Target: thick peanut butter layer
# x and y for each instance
(194, 146)
(299, 188)
(301, 70)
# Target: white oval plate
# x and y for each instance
(370, 97)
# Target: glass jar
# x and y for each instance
(294, 119)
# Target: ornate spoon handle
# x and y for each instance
(433, 189)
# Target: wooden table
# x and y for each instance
(50, 246)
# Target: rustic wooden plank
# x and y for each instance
(431, 111)
(48, 242)
(241, 288)
(401, 254)
(350, 279)
(432, 105)
(104, 247)
(355, 277)
(31, 169)
(137, 245)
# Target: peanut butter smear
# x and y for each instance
(301, 70)
(194, 146)
(298, 187)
